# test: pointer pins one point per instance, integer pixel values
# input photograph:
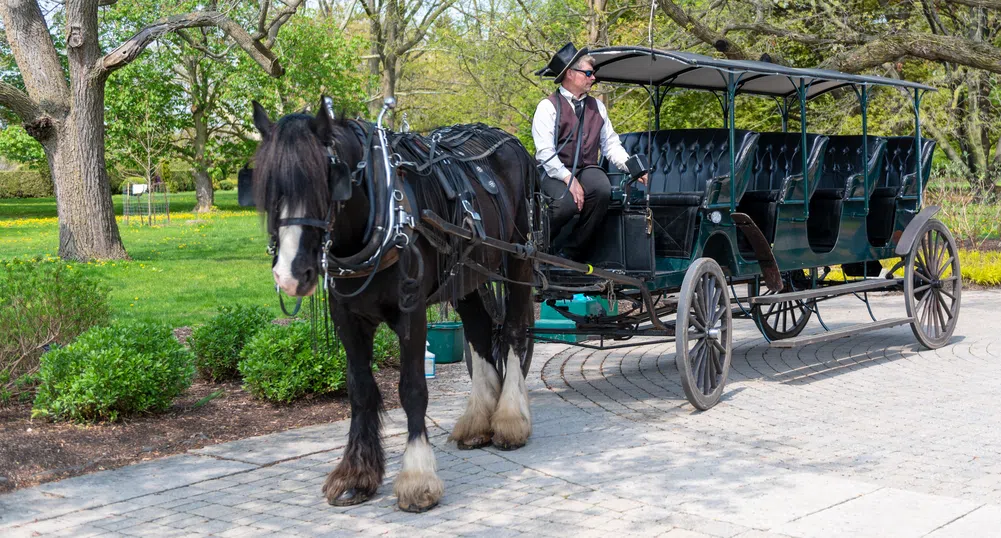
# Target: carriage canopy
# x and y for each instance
(670, 68)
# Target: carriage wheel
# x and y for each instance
(704, 341)
(780, 320)
(933, 285)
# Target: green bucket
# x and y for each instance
(445, 340)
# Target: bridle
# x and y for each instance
(393, 227)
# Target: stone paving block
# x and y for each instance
(974, 523)
(887, 513)
(683, 533)
(105, 487)
(768, 504)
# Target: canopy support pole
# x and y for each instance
(801, 89)
(917, 146)
(863, 98)
(731, 97)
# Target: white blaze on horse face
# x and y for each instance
(288, 247)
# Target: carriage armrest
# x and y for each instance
(715, 186)
(854, 186)
(908, 185)
(788, 184)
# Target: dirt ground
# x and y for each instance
(34, 451)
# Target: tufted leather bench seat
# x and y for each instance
(777, 178)
(689, 168)
(897, 179)
(843, 177)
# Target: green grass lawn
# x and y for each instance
(179, 272)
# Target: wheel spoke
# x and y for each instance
(699, 326)
(717, 363)
(707, 379)
(696, 371)
(938, 252)
(710, 298)
(948, 294)
(713, 309)
(720, 312)
(710, 372)
(718, 346)
(946, 308)
(699, 346)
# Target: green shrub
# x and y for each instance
(43, 303)
(180, 180)
(982, 268)
(227, 185)
(278, 364)
(25, 183)
(125, 368)
(218, 343)
(386, 350)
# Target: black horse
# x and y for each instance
(309, 183)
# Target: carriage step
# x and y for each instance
(828, 291)
(840, 333)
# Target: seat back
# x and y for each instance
(684, 160)
(779, 156)
(842, 160)
(899, 164)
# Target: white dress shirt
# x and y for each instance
(543, 129)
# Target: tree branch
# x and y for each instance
(19, 102)
(986, 4)
(129, 50)
(807, 39)
(708, 36)
(31, 44)
(937, 48)
(422, 29)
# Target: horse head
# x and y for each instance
(302, 173)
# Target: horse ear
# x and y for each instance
(323, 124)
(261, 120)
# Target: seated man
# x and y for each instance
(569, 150)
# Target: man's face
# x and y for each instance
(578, 82)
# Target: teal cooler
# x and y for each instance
(445, 340)
(580, 305)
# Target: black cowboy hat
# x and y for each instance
(561, 62)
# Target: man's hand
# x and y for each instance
(644, 180)
(577, 192)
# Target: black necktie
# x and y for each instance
(578, 108)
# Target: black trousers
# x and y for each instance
(597, 196)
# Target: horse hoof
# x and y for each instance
(350, 497)
(475, 442)
(416, 508)
(508, 446)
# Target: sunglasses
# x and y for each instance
(586, 72)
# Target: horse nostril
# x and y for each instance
(308, 275)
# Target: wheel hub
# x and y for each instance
(713, 334)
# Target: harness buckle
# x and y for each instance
(467, 206)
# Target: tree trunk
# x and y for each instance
(87, 227)
(375, 35)
(204, 195)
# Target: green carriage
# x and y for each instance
(770, 211)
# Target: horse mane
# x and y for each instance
(291, 165)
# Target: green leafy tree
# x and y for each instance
(61, 103)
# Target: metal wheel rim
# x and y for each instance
(933, 285)
(704, 346)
